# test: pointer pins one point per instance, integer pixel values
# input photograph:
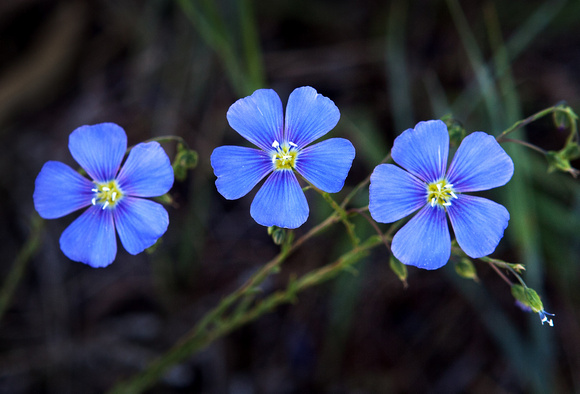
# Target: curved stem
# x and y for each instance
(202, 335)
(526, 144)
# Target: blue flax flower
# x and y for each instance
(479, 164)
(284, 148)
(113, 196)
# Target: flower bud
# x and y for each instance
(465, 268)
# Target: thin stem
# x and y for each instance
(16, 273)
(342, 214)
(164, 138)
(362, 184)
(524, 122)
(201, 336)
(377, 229)
(526, 144)
(501, 274)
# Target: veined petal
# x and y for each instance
(480, 163)
(147, 171)
(394, 193)
(280, 202)
(239, 169)
(309, 116)
(258, 118)
(90, 239)
(60, 190)
(478, 224)
(423, 151)
(424, 241)
(326, 164)
(139, 223)
(99, 149)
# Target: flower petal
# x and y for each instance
(239, 169)
(147, 171)
(309, 116)
(424, 241)
(394, 193)
(280, 202)
(139, 223)
(423, 151)
(480, 163)
(478, 224)
(90, 239)
(60, 190)
(326, 164)
(99, 149)
(258, 118)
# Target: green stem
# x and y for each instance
(358, 187)
(16, 273)
(203, 334)
(342, 214)
(526, 144)
(524, 122)
(164, 138)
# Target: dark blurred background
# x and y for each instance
(163, 67)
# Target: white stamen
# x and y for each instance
(105, 204)
(448, 186)
(106, 189)
(433, 201)
(293, 144)
(95, 190)
(446, 204)
(439, 187)
(113, 196)
(453, 194)
(94, 201)
(275, 144)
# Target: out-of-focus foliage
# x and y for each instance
(163, 67)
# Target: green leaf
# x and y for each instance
(399, 269)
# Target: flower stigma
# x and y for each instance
(107, 194)
(284, 158)
(440, 193)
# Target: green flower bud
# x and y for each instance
(465, 268)
(278, 234)
(185, 159)
(455, 128)
(399, 269)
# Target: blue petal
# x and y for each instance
(423, 151)
(90, 239)
(394, 193)
(326, 164)
(60, 190)
(280, 202)
(478, 224)
(239, 169)
(424, 241)
(99, 149)
(309, 116)
(258, 118)
(480, 163)
(147, 171)
(139, 223)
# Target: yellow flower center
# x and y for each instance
(107, 194)
(284, 158)
(440, 193)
